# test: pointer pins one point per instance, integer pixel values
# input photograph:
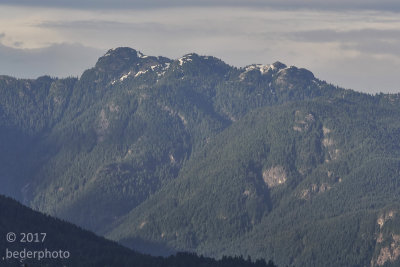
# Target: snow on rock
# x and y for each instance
(141, 55)
(160, 69)
(185, 59)
(163, 69)
(263, 69)
(140, 73)
(123, 77)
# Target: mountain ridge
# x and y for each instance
(68, 245)
(193, 154)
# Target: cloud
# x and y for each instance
(387, 5)
(364, 73)
(184, 30)
(375, 47)
(371, 41)
(59, 60)
(329, 35)
(350, 48)
(18, 44)
(105, 26)
(77, 24)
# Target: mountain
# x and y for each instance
(308, 183)
(69, 245)
(195, 155)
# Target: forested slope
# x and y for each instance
(193, 154)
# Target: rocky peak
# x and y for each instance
(278, 66)
(121, 55)
(120, 63)
(263, 69)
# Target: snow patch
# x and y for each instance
(263, 69)
(184, 59)
(123, 77)
(163, 69)
(140, 73)
(141, 55)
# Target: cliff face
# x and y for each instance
(274, 176)
(387, 249)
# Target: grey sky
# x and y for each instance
(388, 5)
(354, 44)
(59, 60)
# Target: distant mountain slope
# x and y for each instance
(79, 247)
(193, 154)
(299, 175)
(101, 145)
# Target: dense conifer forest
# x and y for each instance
(195, 155)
